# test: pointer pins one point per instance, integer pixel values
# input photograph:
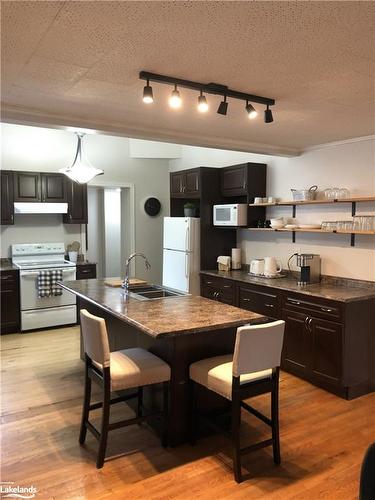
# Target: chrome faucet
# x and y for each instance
(125, 283)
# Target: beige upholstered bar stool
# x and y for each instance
(115, 371)
(253, 369)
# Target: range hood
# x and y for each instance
(40, 208)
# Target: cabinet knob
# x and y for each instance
(268, 305)
(326, 309)
(227, 286)
(246, 300)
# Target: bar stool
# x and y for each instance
(252, 370)
(116, 371)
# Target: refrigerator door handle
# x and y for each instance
(187, 242)
(187, 257)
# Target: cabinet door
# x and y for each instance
(7, 197)
(53, 188)
(192, 178)
(9, 298)
(77, 203)
(296, 353)
(27, 187)
(234, 181)
(326, 361)
(177, 184)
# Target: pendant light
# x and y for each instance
(81, 171)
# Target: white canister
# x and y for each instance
(73, 256)
(236, 258)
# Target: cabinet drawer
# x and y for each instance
(86, 271)
(214, 293)
(218, 283)
(319, 308)
(258, 301)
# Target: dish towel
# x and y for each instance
(56, 275)
(44, 284)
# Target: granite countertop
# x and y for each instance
(162, 317)
(332, 291)
(6, 265)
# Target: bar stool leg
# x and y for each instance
(140, 403)
(235, 431)
(193, 421)
(275, 418)
(86, 403)
(164, 439)
(105, 418)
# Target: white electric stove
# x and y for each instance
(50, 311)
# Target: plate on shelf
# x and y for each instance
(292, 226)
(310, 226)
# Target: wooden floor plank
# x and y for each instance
(323, 438)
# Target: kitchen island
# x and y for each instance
(180, 330)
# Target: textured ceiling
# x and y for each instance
(78, 62)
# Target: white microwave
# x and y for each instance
(230, 215)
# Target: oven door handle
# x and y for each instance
(28, 274)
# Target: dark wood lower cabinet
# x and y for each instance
(10, 301)
(328, 343)
(86, 271)
(296, 348)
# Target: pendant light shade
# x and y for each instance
(81, 171)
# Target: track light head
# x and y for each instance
(268, 118)
(223, 107)
(202, 103)
(251, 111)
(148, 97)
(175, 100)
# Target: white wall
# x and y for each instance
(350, 165)
(42, 149)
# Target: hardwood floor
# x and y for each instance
(323, 438)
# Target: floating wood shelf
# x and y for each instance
(322, 231)
(314, 202)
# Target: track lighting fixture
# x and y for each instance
(175, 100)
(251, 111)
(223, 107)
(202, 103)
(268, 118)
(148, 97)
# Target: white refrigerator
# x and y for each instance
(181, 254)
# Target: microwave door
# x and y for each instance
(223, 216)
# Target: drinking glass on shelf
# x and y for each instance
(343, 193)
(334, 193)
(327, 193)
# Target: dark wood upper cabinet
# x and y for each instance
(234, 180)
(185, 184)
(27, 187)
(7, 198)
(53, 188)
(39, 187)
(247, 179)
(192, 182)
(177, 184)
(77, 203)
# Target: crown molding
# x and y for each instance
(24, 116)
(339, 143)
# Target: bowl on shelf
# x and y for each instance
(277, 223)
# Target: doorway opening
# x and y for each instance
(109, 234)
